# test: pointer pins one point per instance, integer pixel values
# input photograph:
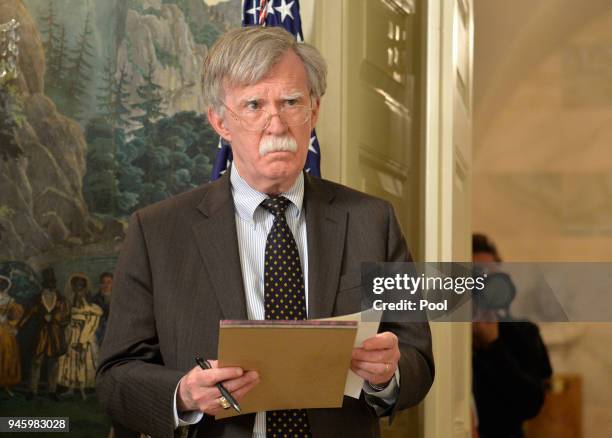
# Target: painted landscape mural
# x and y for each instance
(102, 115)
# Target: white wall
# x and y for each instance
(543, 158)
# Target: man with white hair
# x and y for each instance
(212, 254)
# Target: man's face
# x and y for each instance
(485, 258)
(285, 84)
(78, 284)
(106, 286)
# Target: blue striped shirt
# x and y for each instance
(253, 223)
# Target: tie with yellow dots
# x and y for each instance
(284, 299)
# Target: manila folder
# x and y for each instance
(301, 364)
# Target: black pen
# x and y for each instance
(205, 365)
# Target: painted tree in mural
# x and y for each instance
(68, 69)
(11, 117)
(54, 35)
(152, 157)
(129, 177)
(137, 153)
(189, 143)
(113, 98)
(150, 105)
(56, 63)
(49, 27)
(112, 181)
(100, 187)
(79, 72)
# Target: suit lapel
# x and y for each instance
(217, 240)
(326, 229)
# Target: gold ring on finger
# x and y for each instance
(224, 403)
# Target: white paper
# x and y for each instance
(365, 329)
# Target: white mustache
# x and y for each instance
(271, 143)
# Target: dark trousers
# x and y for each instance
(52, 371)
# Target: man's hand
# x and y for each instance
(376, 361)
(484, 333)
(197, 390)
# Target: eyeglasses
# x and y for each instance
(257, 120)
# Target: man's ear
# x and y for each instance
(219, 124)
(315, 112)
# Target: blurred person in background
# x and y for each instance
(510, 362)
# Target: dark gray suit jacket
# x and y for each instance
(179, 274)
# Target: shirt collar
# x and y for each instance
(247, 199)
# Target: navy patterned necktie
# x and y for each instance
(284, 299)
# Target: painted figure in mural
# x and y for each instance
(102, 299)
(49, 315)
(10, 360)
(77, 367)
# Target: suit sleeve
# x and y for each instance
(416, 364)
(132, 382)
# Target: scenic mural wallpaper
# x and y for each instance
(101, 115)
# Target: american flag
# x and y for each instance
(272, 13)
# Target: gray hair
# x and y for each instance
(245, 55)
